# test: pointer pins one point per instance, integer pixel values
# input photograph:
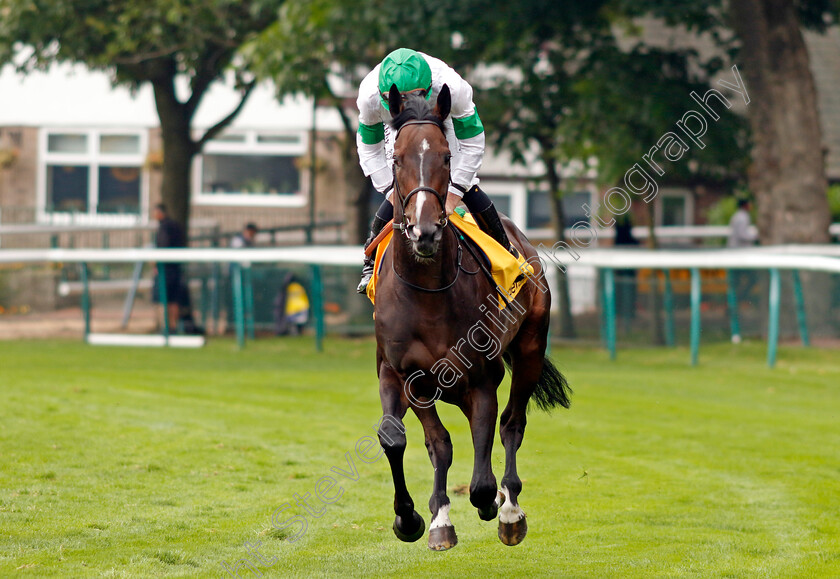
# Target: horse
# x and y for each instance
(437, 341)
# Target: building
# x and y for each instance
(76, 151)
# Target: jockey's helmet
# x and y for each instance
(408, 70)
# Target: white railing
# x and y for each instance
(822, 258)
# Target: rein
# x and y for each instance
(458, 269)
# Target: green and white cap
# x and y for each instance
(408, 70)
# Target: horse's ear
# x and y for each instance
(444, 103)
(395, 101)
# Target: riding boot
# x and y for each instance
(367, 268)
(488, 219)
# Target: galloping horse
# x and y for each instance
(436, 340)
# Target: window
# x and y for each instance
(539, 213)
(250, 168)
(502, 203)
(573, 203)
(675, 207)
(539, 210)
(249, 174)
(508, 197)
(91, 174)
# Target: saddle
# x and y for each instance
(509, 273)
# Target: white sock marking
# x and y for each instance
(510, 513)
(442, 518)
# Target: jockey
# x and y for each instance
(415, 72)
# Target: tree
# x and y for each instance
(328, 47)
(568, 93)
(787, 174)
(625, 102)
(159, 43)
(525, 85)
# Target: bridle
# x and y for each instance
(444, 221)
(441, 197)
(403, 225)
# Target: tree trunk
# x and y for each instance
(177, 176)
(178, 152)
(567, 322)
(787, 175)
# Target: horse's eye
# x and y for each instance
(447, 158)
(397, 162)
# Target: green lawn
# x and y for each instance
(133, 462)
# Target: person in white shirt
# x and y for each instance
(418, 73)
(742, 281)
(739, 226)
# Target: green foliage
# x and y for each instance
(721, 212)
(315, 40)
(196, 38)
(625, 100)
(567, 88)
(834, 202)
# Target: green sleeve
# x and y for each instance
(372, 134)
(468, 127)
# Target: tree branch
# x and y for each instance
(221, 125)
(139, 59)
(206, 70)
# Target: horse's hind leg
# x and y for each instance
(441, 531)
(408, 524)
(526, 366)
(481, 412)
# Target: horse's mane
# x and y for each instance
(416, 108)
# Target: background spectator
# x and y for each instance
(170, 234)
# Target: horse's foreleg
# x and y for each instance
(526, 371)
(441, 531)
(408, 524)
(481, 412)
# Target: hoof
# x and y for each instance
(513, 533)
(442, 538)
(415, 528)
(488, 513)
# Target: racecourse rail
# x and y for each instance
(819, 258)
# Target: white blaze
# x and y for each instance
(421, 196)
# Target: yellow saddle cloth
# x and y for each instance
(509, 273)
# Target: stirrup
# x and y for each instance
(362, 288)
(367, 274)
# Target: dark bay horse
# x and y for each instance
(441, 336)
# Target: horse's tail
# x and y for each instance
(552, 389)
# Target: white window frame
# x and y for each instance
(682, 193)
(92, 159)
(516, 191)
(548, 232)
(250, 146)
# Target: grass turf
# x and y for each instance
(132, 462)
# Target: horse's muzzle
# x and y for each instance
(425, 239)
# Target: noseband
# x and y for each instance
(441, 197)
